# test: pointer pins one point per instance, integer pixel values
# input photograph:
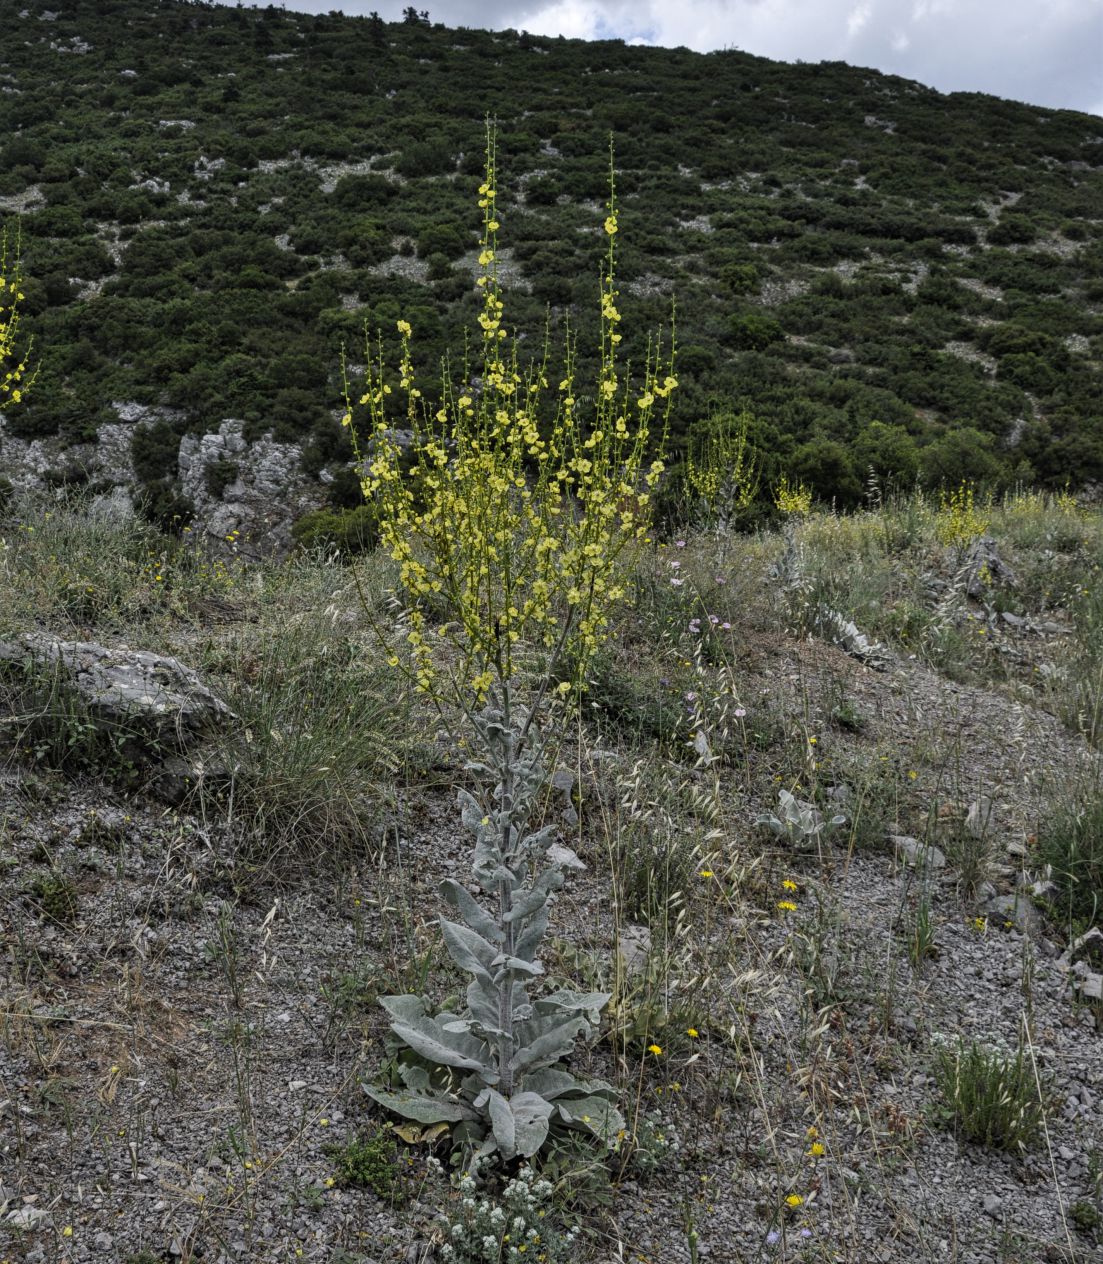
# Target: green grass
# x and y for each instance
(1070, 842)
(989, 1093)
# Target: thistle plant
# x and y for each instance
(16, 375)
(511, 518)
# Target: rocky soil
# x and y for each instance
(185, 1030)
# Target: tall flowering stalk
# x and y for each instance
(16, 376)
(514, 515)
(517, 527)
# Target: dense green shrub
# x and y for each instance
(754, 331)
(348, 531)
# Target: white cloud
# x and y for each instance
(858, 17)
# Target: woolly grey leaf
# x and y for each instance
(471, 910)
(414, 1077)
(551, 1082)
(428, 1040)
(530, 937)
(531, 1116)
(422, 1107)
(404, 1008)
(504, 964)
(527, 902)
(501, 1120)
(468, 949)
(566, 1000)
(596, 1114)
(549, 1047)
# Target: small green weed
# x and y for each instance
(921, 938)
(1087, 1217)
(371, 1163)
(55, 894)
(989, 1092)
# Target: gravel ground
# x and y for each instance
(184, 1042)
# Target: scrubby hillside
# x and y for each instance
(868, 1043)
(213, 199)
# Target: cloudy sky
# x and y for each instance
(1048, 52)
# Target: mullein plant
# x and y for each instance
(16, 375)
(512, 515)
(720, 471)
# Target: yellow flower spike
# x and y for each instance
(518, 531)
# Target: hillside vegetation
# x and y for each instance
(213, 200)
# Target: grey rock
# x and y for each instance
(633, 950)
(1087, 982)
(1016, 909)
(984, 567)
(980, 816)
(912, 852)
(993, 1205)
(27, 1217)
(254, 512)
(834, 627)
(179, 776)
(156, 698)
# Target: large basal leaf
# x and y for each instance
(454, 1050)
(424, 1108)
(552, 1082)
(596, 1114)
(552, 1044)
(531, 1116)
(501, 1121)
(471, 911)
(520, 1123)
(405, 1009)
